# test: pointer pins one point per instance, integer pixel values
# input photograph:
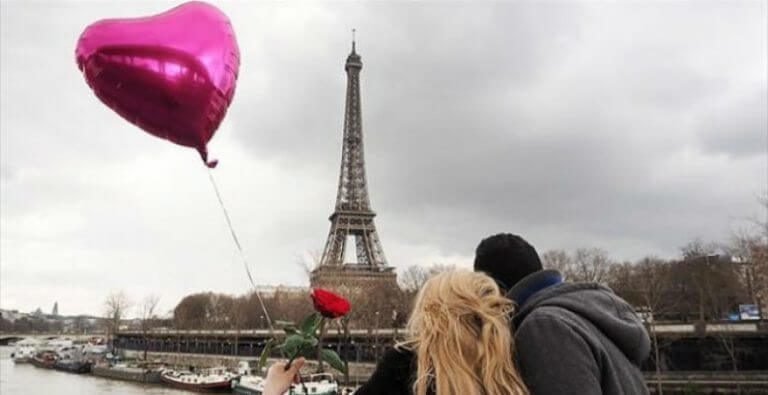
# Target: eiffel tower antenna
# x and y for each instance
(352, 224)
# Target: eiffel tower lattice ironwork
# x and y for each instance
(353, 216)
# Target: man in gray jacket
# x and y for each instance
(570, 338)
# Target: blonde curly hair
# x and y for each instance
(459, 332)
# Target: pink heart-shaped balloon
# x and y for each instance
(172, 74)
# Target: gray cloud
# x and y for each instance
(739, 127)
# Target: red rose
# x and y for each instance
(329, 304)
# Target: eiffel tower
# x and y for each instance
(352, 218)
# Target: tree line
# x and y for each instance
(376, 307)
(30, 325)
(708, 282)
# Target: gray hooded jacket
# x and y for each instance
(577, 338)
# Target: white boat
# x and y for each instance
(94, 353)
(56, 345)
(69, 352)
(248, 385)
(24, 350)
(95, 349)
(249, 379)
(213, 379)
(314, 384)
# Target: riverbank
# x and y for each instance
(137, 375)
(683, 382)
(358, 372)
(25, 379)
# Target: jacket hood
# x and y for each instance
(610, 314)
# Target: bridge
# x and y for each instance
(684, 346)
(361, 345)
(8, 338)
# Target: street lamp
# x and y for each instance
(376, 337)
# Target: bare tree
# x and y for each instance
(192, 311)
(147, 315)
(220, 310)
(719, 289)
(589, 265)
(749, 247)
(238, 316)
(722, 293)
(745, 249)
(750, 250)
(759, 267)
(697, 248)
(413, 278)
(584, 265)
(651, 279)
(116, 306)
(715, 280)
(621, 279)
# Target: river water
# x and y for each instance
(25, 379)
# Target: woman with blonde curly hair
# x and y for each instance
(458, 343)
(460, 338)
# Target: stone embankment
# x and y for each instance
(672, 382)
(127, 374)
(358, 372)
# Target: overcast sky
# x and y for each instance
(634, 127)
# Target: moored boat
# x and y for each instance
(56, 344)
(73, 365)
(43, 359)
(248, 385)
(314, 384)
(127, 372)
(248, 382)
(207, 380)
(24, 350)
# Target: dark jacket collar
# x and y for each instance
(533, 283)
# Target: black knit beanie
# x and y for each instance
(507, 258)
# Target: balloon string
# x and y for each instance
(240, 249)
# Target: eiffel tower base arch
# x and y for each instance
(349, 277)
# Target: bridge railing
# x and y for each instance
(660, 328)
